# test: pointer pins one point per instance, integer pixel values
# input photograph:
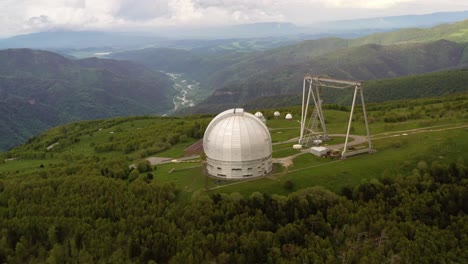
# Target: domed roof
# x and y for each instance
(235, 135)
(288, 116)
(258, 114)
(277, 113)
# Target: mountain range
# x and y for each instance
(237, 78)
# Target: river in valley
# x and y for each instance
(186, 91)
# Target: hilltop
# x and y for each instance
(71, 192)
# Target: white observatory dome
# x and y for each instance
(260, 116)
(237, 145)
(277, 113)
(288, 117)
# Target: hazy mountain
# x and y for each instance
(77, 39)
(40, 89)
(191, 37)
(397, 22)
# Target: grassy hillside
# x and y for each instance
(69, 194)
(40, 89)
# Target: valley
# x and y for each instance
(188, 92)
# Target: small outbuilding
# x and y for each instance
(288, 117)
(260, 116)
(297, 146)
(319, 151)
(277, 114)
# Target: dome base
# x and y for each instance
(239, 169)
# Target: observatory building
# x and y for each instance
(260, 116)
(237, 145)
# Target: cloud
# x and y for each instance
(368, 4)
(24, 16)
(143, 10)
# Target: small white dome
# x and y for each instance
(258, 114)
(288, 116)
(277, 113)
(237, 145)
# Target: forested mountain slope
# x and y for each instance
(40, 89)
(408, 87)
(366, 62)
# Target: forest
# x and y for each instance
(83, 218)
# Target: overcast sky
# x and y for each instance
(26, 16)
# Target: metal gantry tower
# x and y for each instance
(314, 83)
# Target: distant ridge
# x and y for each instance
(398, 22)
(62, 39)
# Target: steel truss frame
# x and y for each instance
(317, 82)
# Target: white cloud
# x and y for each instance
(368, 4)
(24, 16)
